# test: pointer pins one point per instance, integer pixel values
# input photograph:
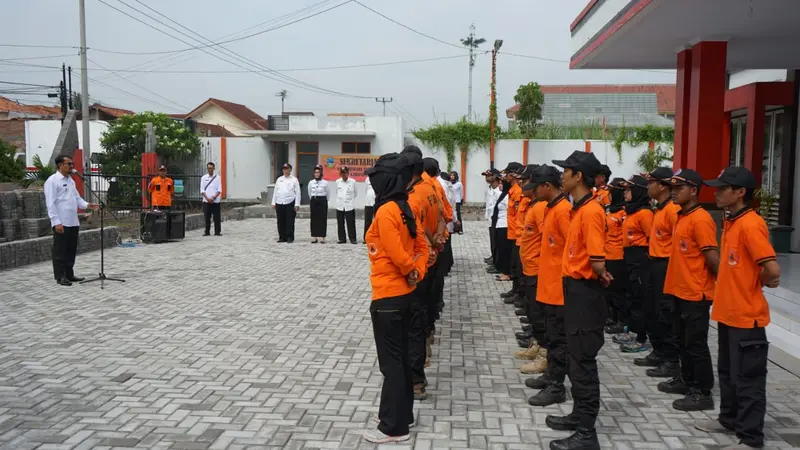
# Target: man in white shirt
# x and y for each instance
(286, 202)
(63, 201)
(369, 207)
(211, 190)
(490, 198)
(346, 206)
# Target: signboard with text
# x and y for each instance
(356, 163)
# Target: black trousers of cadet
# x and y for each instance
(585, 315)
(419, 326)
(369, 213)
(742, 370)
(617, 291)
(350, 218)
(638, 288)
(319, 216)
(691, 319)
(556, 337)
(502, 259)
(535, 310)
(492, 243)
(285, 214)
(65, 247)
(390, 325)
(213, 209)
(516, 271)
(458, 211)
(665, 341)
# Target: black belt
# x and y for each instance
(320, 196)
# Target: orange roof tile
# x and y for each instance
(8, 105)
(114, 112)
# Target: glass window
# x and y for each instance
(767, 149)
(777, 151)
(734, 141)
(742, 140)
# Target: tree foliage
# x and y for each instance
(530, 99)
(636, 136)
(11, 169)
(654, 158)
(460, 135)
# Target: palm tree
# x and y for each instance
(472, 43)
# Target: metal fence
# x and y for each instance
(124, 192)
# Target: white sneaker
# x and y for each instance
(377, 421)
(377, 437)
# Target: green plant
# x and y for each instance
(651, 159)
(531, 101)
(462, 135)
(636, 136)
(11, 168)
(766, 201)
(43, 172)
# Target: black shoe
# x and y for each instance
(651, 360)
(492, 270)
(523, 335)
(520, 312)
(64, 282)
(354, 242)
(582, 439)
(537, 383)
(668, 369)
(695, 400)
(527, 328)
(280, 241)
(524, 343)
(616, 328)
(75, 279)
(610, 322)
(508, 294)
(552, 394)
(217, 234)
(509, 300)
(562, 423)
(674, 385)
(519, 303)
(488, 260)
(342, 242)
(524, 319)
(289, 241)
(206, 234)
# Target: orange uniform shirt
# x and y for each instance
(586, 239)
(514, 197)
(614, 233)
(447, 210)
(161, 191)
(530, 244)
(427, 210)
(636, 228)
(739, 300)
(392, 253)
(554, 238)
(522, 209)
(688, 277)
(661, 235)
(602, 196)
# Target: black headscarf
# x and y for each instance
(617, 195)
(316, 168)
(445, 176)
(639, 197)
(431, 166)
(390, 177)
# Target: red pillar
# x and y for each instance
(707, 112)
(149, 168)
(682, 88)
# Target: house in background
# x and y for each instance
(10, 110)
(107, 113)
(218, 118)
(612, 105)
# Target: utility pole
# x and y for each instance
(84, 94)
(63, 92)
(69, 71)
(472, 43)
(384, 100)
(282, 94)
(493, 107)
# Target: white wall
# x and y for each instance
(745, 77)
(249, 167)
(41, 137)
(212, 114)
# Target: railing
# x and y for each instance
(124, 192)
(278, 123)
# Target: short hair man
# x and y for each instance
(211, 190)
(161, 189)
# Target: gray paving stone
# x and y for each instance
(237, 342)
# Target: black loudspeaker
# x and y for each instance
(177, 221)
(154, 226)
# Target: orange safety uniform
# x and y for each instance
(636, 228)
(554, 236)
(614, 235)
(530, 243)
(447, 210)
(522, 209)
(739, 299)
(427, 209)
(602, 196)
(161, 191)
(514, 197)
(688, 277)
(393, 253)
(661, 234)
(585, 242)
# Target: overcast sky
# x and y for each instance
(347, 35)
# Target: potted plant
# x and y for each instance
(779, 235)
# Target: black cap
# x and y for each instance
(318, 166)
(660, 174)
(584, 162)
(617, 183)
(528, 171)
(163, 167)
(734, 176)
(514, 168)
(686, 177)
(546, 174)
(287, 166)
(636, 180)
(344, 169)
(605, 171)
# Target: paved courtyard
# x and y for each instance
(238, 342)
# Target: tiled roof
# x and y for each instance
(10, 106)
(241, 112)
(664, 93)
(113, 112)
(177, 116)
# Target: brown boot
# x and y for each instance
(530, 352)
(419, 392)
(538, 365)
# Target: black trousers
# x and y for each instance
(502, 259)
(65, 247)
(209, 210)
(691, 319)
(350, 218)
(285, 214)
(665, 341)
(638, 287)
(420, 326)
(458, 211)
(369, 213)
(617, 291)
(516, 271)
(535, 310)
(742, 370)
(390, 325)
(556, 337)
(319, 216)
(585, 315)
(492, 242)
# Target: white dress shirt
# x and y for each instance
(448, 191)
(369, 197)
(63, 200)
(211, 186)
(287, 190)
(458, 191)
(490, 198)
(502, 213)
(345, 194)
(318, 188)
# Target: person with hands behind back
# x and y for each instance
(747, 264)
(286, 203)
(397, 264)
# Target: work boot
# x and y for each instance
(508, 294)
(634, 347)
(562, 423)
(509, 300)
(519, 303)
(623, 338)
(695, 400)
(538, 383)
(616, 328)
(525, 343)
(419, 392)
(488, 260)
(523, 335)
(552, 394)
(668, 369)
(712, 426)
(581, 439)
(524, 319)
(651, 360)
(530, 352)
(527, 327)
(492, 270)
(521, 312)
(674, 385)
(538, 365)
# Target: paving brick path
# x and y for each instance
(238, 342)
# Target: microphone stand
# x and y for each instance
(101, 277)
